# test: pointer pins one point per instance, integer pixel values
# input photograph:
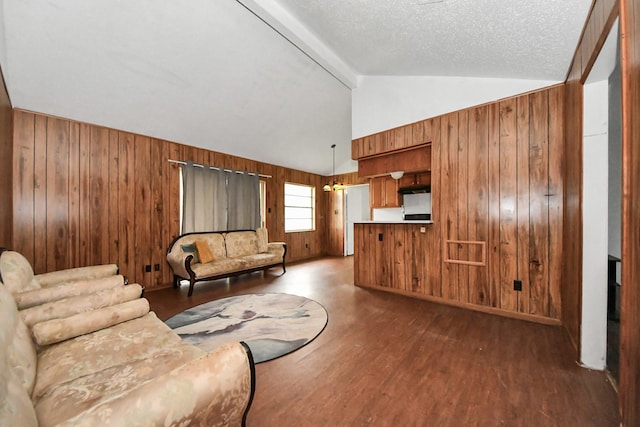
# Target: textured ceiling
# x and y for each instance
(268, 80)
(525, 39)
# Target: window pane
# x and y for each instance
(297, 201)
(299, 207)
(298, 213)
(297, 190)
(298, 224)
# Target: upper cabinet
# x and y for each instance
(411, 179)
(391, 140)
(409, 160)
(383, 193)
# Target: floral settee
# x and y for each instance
(103, 358)
(213, 255)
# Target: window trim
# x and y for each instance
(312, 207)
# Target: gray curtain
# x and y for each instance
(243, 192)
(204, 198)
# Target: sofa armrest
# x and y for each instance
(75, 274)
(54, 293)
(177, 262)
(277, 248)
(75, 305)
(56, 330)
(214, 390)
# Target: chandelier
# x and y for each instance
(334, 185)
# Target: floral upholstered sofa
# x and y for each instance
(103, 358)
(212, 255)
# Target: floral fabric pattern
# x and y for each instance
(75, 274)
(241, 243)
(135, 373)
(17, 274)
(222, 266)
(213, 390)
(17, 366)
(81, 304)
(56, 330)
(263, 240)
(54, 293)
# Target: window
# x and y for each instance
(299, 202)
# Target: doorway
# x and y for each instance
(602, 125)
(356, 208)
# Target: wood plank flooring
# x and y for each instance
(390, 360)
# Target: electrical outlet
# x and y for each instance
(306, 246)
(380, 237)
(517, 285)
(147, 268)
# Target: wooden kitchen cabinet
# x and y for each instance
(383, 193)
(410, 179)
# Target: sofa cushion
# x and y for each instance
(263, 240)
(215, 241)
(241, 243)
(190, 248)
(204, 251)
(84, 381)
(17, 274)
(66, 290)
(76, 358)
(259, 260)
(80, 304)
(56, 330)
(71, 275)
(212, 390)
(221, 266)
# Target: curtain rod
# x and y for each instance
(180, 162)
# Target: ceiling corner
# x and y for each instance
(276, 17)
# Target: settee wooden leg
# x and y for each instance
(176, 281)
(191, 283)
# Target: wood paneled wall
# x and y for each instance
(496, 178)
(6, 165)
(630, 298)
(85, 195)
(596, 30)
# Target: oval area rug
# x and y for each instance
(272, 324)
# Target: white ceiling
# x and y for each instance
(267, 80)
(523, 39)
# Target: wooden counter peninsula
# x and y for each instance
(400, 256)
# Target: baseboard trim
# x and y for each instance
(484, 309)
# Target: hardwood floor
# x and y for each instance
(389, 360)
